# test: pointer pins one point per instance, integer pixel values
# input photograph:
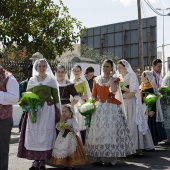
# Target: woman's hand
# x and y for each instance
(113, 86)
(128, 95)
(84, 97)
(151, 113)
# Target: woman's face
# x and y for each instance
(121, 69)
(77, 72)
(144, 79)
(107, 68)
(42, 67)
(66, 112)
(60, 73)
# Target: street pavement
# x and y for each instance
(152, 160)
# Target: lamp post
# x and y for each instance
(163, 45)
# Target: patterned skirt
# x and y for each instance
(109, 135)
(166, 115)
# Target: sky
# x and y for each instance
(94, 13)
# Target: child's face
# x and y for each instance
(66, 112)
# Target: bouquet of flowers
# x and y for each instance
(86, 110)
(149, 100)
(62, 126)
(165, 91)
(30, 103)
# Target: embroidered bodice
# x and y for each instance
(101, 91)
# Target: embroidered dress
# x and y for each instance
(81, 89)
(66, 89)
(166, 107)
(109, 135)
(68, 151)
(135, 115)
(37, 139)
(155, 122)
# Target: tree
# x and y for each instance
(38, 25)
(89, 52)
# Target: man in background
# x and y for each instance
(157, 68)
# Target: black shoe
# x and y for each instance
(70, 168)
(65, 168)
(97, 163)
(109, 164)
(42, 167)
(33, 167)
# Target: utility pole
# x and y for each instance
(149, 47)
(140, 40)
(124, 44)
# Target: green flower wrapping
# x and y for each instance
(165, 91)
(121, 84)
(149, 100)
(62, 126)
(86, 110)
(31, 103)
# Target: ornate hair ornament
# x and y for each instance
(125, 63)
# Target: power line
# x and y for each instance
(153, 9)
(143, 9)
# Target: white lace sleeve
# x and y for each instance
(133, 84)
(75, 126)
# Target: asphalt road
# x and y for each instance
(155, 160)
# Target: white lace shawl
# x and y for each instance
(151, 78)
(132, 81)
(166, 80)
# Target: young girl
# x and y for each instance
(68, 149)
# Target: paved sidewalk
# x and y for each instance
(15, 135)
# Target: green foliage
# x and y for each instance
(89, 52)
(38, 25)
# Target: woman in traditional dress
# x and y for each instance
(66, 88)
(133, 106)
(109, 136)
(155, 117)
(166, 107)
(68, 149)
(82, 87)
(37, 139)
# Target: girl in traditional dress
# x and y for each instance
(133, 106)
(82, 87)
(155, 117)
(66, 88)
(68, 149)
(37, 139)
(108, 136)
(166, 107)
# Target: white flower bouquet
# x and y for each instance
(87, 109)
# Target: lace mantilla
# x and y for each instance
(140, 120)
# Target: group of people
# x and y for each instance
(120, 124)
